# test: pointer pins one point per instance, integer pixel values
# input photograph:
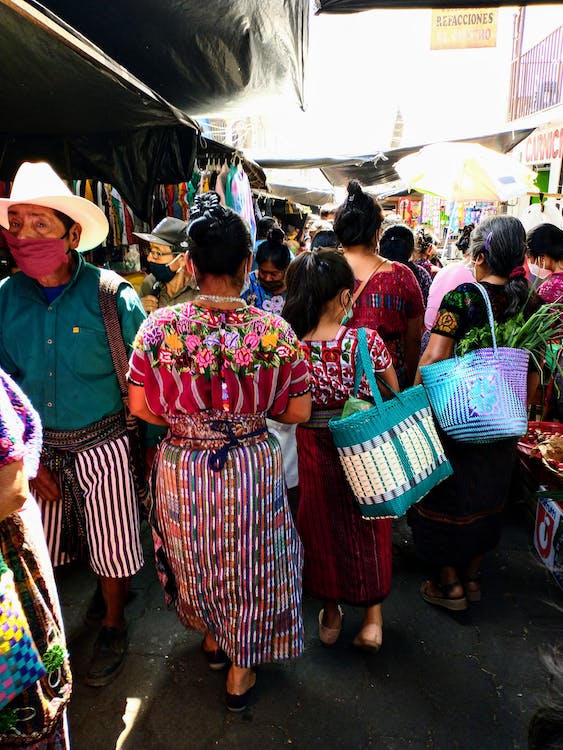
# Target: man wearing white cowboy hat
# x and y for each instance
(53, 342)
(167, 282)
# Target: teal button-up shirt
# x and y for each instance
(58, 352)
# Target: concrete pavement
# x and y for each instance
(442, 681)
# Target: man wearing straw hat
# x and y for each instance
(54, 343)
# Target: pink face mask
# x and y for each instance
(37, 257)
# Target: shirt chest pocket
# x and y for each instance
(90, 353)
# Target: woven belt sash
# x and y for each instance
(217, 432)
(320, 418)
(60, 448)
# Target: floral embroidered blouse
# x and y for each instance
(332, 366)
(551, 290)
(191, 359)
(464, 308)
(20, 428)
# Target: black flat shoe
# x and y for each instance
(108, 657)
(238, 703)
(216, 659)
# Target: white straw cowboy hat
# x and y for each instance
(38, 184)
(170, 231)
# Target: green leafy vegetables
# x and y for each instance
(532, 334)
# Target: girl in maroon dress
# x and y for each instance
(387, 296)
(347, 559)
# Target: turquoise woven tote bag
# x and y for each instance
(391, 454)
(482, 396)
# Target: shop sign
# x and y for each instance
(464, 28)
(543, 145)
(548, 536)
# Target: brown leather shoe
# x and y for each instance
(329, 636)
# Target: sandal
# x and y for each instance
(444, 598)
(329, 636)
(474, 594)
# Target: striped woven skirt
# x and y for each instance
(230, 541)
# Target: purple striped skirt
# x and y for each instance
(229, 538)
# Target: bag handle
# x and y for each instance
(365, 365)
(364, 283)
(489, 313)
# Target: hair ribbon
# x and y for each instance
(517, 273)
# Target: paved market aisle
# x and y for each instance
(442, 681)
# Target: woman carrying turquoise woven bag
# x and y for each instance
(347, 559)
(459, 521)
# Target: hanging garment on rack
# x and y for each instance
(89, 190)
(220, 185)
(192, 188)
(128, 238)
(242, 199)
(229, 198)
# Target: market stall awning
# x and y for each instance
(355, 6)
(378, 168)
(299, 194)
(66, 102)
(205, 57)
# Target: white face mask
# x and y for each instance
(539, 273)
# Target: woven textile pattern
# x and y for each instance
(375, 466)
(481, 396)
(391, 454)
(20, 665)
(233, 549)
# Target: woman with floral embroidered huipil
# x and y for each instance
(212, 369)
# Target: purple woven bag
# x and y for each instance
(482, 396)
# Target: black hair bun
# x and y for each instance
(276, 236)
(354, 188)
(205, 202)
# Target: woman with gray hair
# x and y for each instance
(459, 521)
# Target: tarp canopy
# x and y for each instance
(204, 57)
(378, 168)
(64, 101)
(354, 6)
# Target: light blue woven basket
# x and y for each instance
(391, 454)
(482, 396)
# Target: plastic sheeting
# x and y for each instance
(204, 57)
(354, 6)
(379, 168)
(66, 102)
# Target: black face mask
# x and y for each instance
(161, 272)
(272, 286)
